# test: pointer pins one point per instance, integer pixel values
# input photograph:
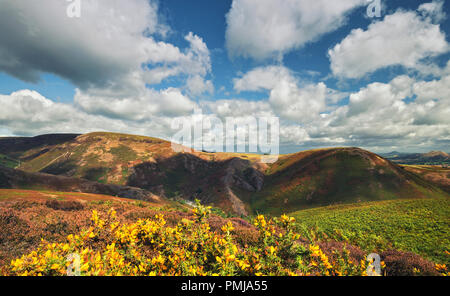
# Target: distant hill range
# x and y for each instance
(235, 182)
(430, 158)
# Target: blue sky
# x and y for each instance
(208, 20)
(331, 74)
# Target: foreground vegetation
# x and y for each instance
(149, 247)
(421, 226)
(114, 236)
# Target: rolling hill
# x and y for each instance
(142, 162)
(23, 147)
(235, 182)
(430, 158)
(334, 176)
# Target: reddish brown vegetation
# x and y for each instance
(25, 222)
(405, 264)
(330, 247)
(65, 205)
(434, 174)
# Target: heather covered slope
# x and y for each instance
(27, 216)
(234, 182)
(434, 174)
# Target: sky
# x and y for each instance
(332, 73)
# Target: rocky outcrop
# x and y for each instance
(240, 173)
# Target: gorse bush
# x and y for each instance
(151, 247)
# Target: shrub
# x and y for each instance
(151, 247)
(62, 205)
(407, 264)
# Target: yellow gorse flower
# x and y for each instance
(149, 247)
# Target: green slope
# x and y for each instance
(420, 226)
(8, 162)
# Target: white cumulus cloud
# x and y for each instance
(404, 38)
(263, 29)
(289, 98)
(110, 54)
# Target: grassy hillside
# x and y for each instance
(16, 179)
(420, 226)
(100, 157)
(334, 176)
(343, 199)
(8, 162)
(29, 147)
